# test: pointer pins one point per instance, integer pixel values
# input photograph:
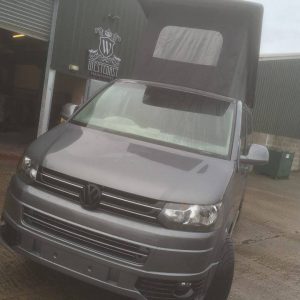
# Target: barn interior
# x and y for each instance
(22, 66)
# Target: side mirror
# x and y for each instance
(68, 110)
(258, 155)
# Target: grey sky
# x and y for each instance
(281, 29)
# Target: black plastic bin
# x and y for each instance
(279, 166)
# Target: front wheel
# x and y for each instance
(222, 281)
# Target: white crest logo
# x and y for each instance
(103, 63)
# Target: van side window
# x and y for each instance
(174, 43)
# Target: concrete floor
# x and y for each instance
(267, 251)
(268, 241)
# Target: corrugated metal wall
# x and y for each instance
(277, 108)
(75, 32)
(30, 17)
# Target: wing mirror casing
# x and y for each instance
(68, 110)
(258, 155)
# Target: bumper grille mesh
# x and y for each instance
(91, 240)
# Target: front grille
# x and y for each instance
(154, 289)
(112, 201)
(87, 238)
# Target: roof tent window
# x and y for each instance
(189, 45)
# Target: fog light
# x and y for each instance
(184, 290)
(185, 284)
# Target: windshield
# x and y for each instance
(175, 118)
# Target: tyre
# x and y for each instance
(222, 281)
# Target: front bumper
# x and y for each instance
(174, 256)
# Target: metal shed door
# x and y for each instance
(30, 17)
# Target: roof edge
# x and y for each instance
(283, 56)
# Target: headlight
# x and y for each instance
(27, 168)
(190, 217)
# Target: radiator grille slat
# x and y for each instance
(112, 201)
(120, 209)
(86, 238)
(60, 190)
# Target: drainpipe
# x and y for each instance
(267, 140)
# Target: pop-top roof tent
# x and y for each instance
(209, 45)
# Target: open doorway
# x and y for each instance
(67, 89)
(22, 67)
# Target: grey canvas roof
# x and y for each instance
(211, 45)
